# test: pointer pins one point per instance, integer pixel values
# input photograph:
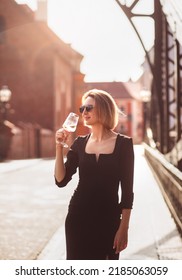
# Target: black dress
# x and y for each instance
(94, 210)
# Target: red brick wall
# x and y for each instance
(34, 64)
(27, 60)
(26, 66)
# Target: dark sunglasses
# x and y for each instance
(88, 108)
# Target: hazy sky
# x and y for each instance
(100, 31)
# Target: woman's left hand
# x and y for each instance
(121, 239)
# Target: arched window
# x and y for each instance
(2, 29)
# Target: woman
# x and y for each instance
(97, 223)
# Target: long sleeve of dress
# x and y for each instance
(127, 174)
(71, 165)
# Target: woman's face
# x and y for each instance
(89, 117)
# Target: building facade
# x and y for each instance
(42, 72)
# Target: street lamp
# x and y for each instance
(145, 95)
(5, 95)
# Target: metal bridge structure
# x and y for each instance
(163, 112)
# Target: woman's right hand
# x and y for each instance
(61, 136)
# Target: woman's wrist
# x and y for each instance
(59, 147)
(124, 224)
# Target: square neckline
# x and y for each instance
(101, 154)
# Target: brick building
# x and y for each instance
(42, 71)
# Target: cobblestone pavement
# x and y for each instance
(33, 210)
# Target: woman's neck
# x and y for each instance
(99, 133)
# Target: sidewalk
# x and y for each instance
(152, 234)
(14, 165)
(32, 207)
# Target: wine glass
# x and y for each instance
(69, 125)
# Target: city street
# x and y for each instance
(33, 210)
(32, 207)
(56, 58)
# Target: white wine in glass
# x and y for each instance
(70, 125)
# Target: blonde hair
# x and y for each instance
(106, 108)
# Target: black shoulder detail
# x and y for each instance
(122, 136)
